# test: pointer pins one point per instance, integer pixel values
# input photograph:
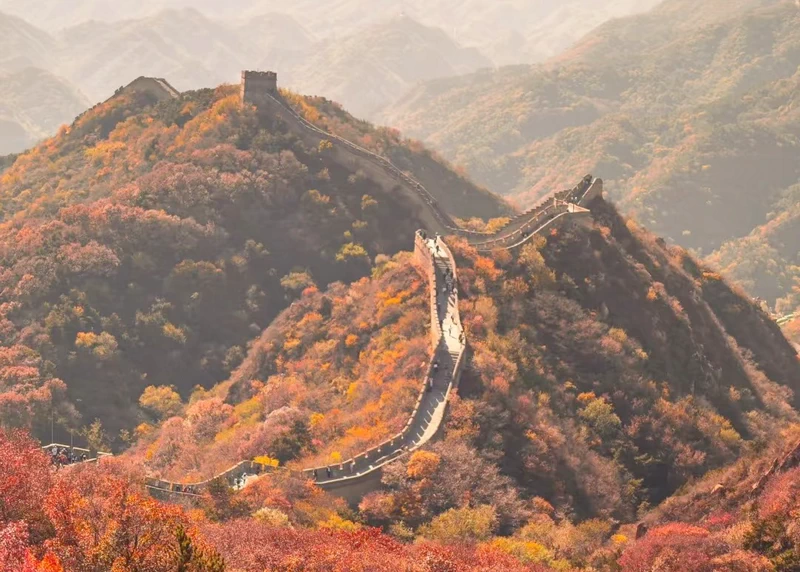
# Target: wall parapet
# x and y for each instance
(441, 376)
(448, 339)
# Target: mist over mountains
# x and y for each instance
(362, 54)
(311, 343)
(506, 31)
(690, 112)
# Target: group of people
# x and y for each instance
(62, 456)
(240, 481)
(189, 489)
(328, 473)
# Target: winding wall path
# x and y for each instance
(356, 476)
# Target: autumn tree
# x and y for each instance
(163, 401)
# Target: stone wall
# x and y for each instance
(392, 179)
(257, 85)
(92, 456)
(159, 88)
(355, 477)
(424, 261)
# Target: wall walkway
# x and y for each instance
(361, 474)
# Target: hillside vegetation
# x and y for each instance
(573, 399)
(689, 113)
(147, 244)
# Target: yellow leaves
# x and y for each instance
(162, 401)
(618, 335)
(587, 397)
(526, 551)
(310, 320)
(495, 224)
(173, 332)
(423, 464)
(619, 539)
(85, 339)
(324, 145)
(335, 457)
(652, 295)
(291, 344)
(730, 436)
(249, 412)
(316, 420)
(266, 461)
(462, 525)
(392, 302)
(104, 152)
(314, 197)
(351, 341)
(532, 260)
(272, 517)
(711, 276)
(102, 346)
(352, 251)
(225, 435)
(486, 269)
(336, 522)
(142, 430)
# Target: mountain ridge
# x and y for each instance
(690, 118)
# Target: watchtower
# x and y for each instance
(256, 83)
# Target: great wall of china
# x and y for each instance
(355, 477)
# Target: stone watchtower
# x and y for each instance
(255, 84)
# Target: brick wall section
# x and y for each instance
(392, 179)
(359, 475)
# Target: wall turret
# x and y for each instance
(255, 84)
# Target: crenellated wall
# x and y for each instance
(158, 87)
(357, 476)
(392, 179)
(353, 478)
(425, 262)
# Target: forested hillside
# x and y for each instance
(147, 244)
(690, 112)
(33, 105)
(606, 371)
(361, 53)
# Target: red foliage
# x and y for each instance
(101, 519)
(250, 546)
(680, 547)
(25, 478)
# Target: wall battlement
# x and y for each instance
(157, 87)
(256, 85)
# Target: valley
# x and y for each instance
(281, 337)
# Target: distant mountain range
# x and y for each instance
(363, 54)
(33, 104)
(506, 31)
(689, 111)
